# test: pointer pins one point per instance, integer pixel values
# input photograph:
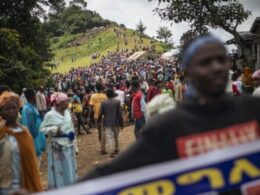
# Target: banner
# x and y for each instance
(219, 171)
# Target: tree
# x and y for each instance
(185, 39)
(224, 14)
(164, 34)
(24, 48)
(81, 3)
(72, 20)
(140, 28)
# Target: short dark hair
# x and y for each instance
(135, 84)
(234, 76)
(29, 94)
(110, 93)
(117, 86)
(99, 87)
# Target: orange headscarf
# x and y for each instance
(30, 176)
(8, 96)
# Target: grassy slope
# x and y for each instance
(101, 42)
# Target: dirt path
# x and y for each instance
(89, 151)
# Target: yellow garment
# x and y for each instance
(76, 107)
(95, 101)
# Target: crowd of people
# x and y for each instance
(111, 93)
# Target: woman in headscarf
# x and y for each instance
(58, 126)
(18, 167)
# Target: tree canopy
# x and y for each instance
(73, 19)
(140, 28)
(204, 14)
(24, 48)
(164, 34)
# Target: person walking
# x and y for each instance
(95, 103)
(41, 101)
(138, 108)
(120, 95)
(32, 119)
(111, 115)
(153, 90)
(180, 90)
(18, 167)
(57, 124)
(76, 108)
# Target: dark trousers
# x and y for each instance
(139, 125)
(80, 122)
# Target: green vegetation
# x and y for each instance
(223, 14)
(73, 19)
(24, 48)
(83, 45)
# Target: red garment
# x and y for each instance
(136, 105)
(235, 90)
(152, 92)
(86, 100)
(170, 85)
(48, 101)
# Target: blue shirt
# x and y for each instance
(32, 120)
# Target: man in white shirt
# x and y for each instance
(120, 95)
(41, 101)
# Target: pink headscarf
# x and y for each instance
(59, 97)
(256, 75)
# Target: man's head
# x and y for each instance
(157, 84)
(207, 65)
(117, 86)
(30, 95)
(134, 86)
(234, 76)
(110, 93)
(99, 87)
(41, 89)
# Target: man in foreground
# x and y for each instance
(208, 115)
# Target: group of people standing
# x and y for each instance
(23, 133)
(85, 99)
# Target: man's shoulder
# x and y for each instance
(167, 119)
(28, 107)
(249, 100)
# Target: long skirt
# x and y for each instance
(62, 166)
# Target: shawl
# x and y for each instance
(30, 176)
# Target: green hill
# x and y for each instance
(75, 50)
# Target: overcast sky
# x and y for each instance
(129, 12)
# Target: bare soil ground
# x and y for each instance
(89, 152)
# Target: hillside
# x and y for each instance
(75, 50)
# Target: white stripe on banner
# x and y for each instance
(128, 178)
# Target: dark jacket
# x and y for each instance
(164, 138)
(111, 113)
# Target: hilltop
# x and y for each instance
(76, 34)
(76, 50)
